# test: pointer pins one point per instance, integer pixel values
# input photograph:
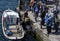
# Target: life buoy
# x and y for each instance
(2, 18)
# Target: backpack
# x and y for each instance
(50, 21)
(36, 9)
(46, 19)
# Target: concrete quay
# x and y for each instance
(36, 27)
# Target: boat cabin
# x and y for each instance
(10, 17)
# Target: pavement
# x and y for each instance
(53, 36)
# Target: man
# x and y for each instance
(49, 22)
(43, 13)
(56, 25)
(31, 3)
(36, 9)
(55, 11)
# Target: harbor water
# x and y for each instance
(12, 4)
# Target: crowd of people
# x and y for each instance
(48, 18)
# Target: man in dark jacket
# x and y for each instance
(43, 13)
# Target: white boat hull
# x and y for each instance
(11, 37)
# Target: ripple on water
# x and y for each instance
(4, 4)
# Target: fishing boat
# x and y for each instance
(11, 25)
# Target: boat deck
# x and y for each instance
(17, 30)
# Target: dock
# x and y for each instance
(40, 35)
